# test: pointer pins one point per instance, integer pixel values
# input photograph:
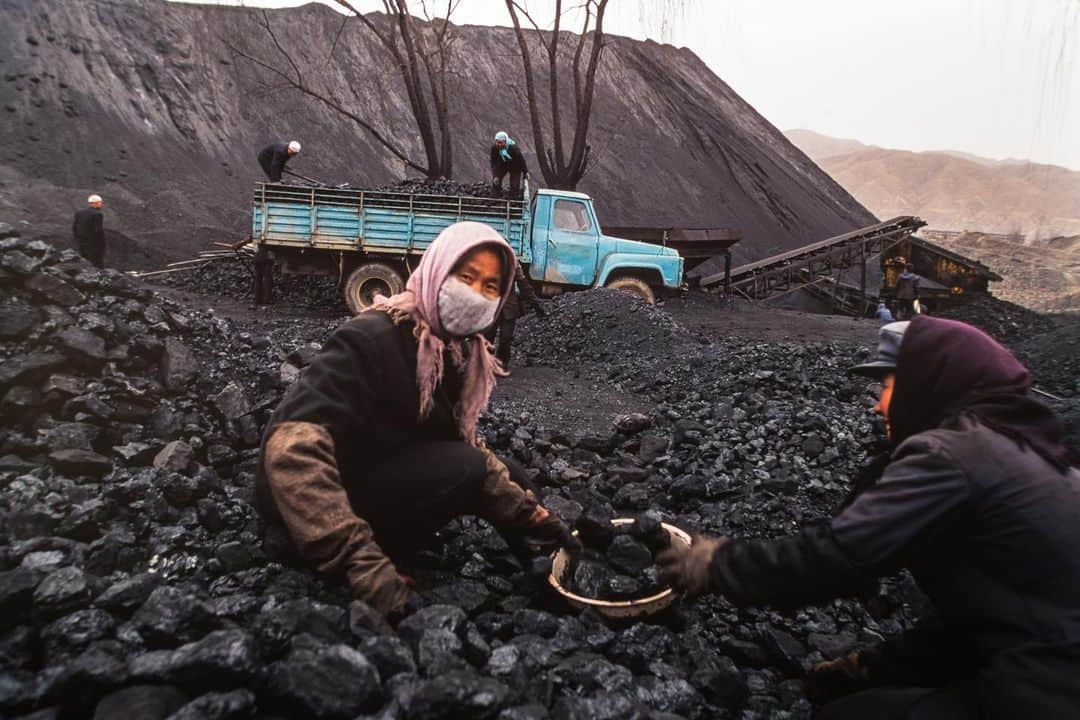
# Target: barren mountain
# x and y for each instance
(144, 103)
(950, 190)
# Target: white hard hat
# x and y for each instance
(93, 199)
(294, 147)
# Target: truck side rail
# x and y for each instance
(357, 219)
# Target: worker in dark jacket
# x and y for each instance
(506, 157)
(273, 157)
(374, 448)
(980, 500)
(88, 230)
(523, 294)
(907, 293)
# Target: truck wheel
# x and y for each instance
(369, 280)
(634, 286)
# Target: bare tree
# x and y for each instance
(422, 53)
(561, 169)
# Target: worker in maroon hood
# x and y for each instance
(980, 500)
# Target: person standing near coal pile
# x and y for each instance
(907, 292)
(273, 157)
(375, 448)
(883, 313)
(980, 500)
(522, 294)
(506, 157)
(88, 230)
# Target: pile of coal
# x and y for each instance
(619, 561)
(134, 581)
(424, 186)
(232, 278)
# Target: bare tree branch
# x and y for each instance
(559, 170)
(423, 57)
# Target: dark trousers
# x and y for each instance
(264, 278)
(901, 703)
(515, 180)
(905, 308)
(408, 498)
(506, 328)
(92, 250)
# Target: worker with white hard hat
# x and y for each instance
(88, 230)
(273, 157)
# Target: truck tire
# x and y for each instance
(369, 280)
(634, 286)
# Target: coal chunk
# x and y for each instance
(457, 694)
(628, 555)
(152, 702)
(171, 617)
(324, 681)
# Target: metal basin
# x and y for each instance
(616, 609)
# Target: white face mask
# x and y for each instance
(462, 310)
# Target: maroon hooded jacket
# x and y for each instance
(981, 502)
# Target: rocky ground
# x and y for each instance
(133, 582)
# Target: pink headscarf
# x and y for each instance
(419, 303)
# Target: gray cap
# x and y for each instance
(888, 349)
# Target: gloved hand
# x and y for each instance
(407, 608)
(546, 525)
(689, 568)
(835, 678)
(380, 586)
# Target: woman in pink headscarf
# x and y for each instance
(374, 448)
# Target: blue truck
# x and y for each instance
(370, 240)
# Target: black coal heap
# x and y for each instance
(134, 580)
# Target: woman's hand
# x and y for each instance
(545, 525)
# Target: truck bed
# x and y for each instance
(353, 218)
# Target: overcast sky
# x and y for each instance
(996, 78)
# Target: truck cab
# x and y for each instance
(569, 250)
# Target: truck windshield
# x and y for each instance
(572, 215)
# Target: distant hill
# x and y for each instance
(819, 146)
(952, 190)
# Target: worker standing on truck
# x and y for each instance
(88, 230)
(273, 157)
(506, 157)
(980, 500)
(375, 448)
(522, 294)
(907, 292)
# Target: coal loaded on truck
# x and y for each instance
(369, 240)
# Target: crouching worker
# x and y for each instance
(980, 500)
(374, 448)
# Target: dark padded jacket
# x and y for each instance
(990, 531)
(89, 226)
(523, 296)
(272, 158)
(354, 408)
(362, 390)
(907, 286)
(516, 163)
